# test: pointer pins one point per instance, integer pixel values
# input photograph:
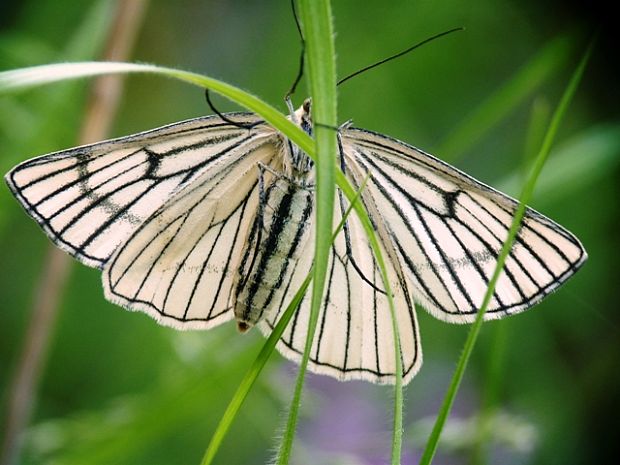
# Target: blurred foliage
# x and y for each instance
(120, 389)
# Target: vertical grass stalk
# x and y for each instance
(316, 20)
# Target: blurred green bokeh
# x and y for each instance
(117, 388)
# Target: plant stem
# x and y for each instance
(526, 194)
(319, 37)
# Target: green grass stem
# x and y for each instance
(317, 27)
(526, 194)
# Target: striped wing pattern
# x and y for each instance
(354, 338)
(163, 213)
(179, 266)
(90, 199)
(445, 229)
(168, 214)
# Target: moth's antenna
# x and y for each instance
(400, 54)
(301, 56)
(223, 117)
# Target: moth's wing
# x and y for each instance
(446, 230)
(354, 338)
(90, 199)
(179, 265)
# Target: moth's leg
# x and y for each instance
(262, 197)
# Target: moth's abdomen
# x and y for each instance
(277, 239)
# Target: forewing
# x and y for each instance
(446, 230)
(354, 338)
(179, 265)
(90, 199)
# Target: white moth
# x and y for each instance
(203, 220)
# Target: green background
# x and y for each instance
(117, 388)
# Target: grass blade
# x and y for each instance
(20, 79)
(252, 374)
(265, 353)
(320, 57)
(526, 194)
(17, 80)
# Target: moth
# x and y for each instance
(210, 219)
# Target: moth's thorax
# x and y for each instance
(275, 243)
(297, 163)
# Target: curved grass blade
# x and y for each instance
(252, 374)
(16, 80)
(20, 79)
(397, 423)
(526, 194)
(266, 351)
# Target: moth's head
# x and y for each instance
(304, 117)
(306, 106)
